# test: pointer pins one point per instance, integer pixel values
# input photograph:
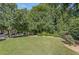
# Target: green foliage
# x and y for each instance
(56, 34)
(44, 34)
(74, 28)
(49, 18)
(40, 7)
(20, 21)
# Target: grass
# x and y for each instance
(34, 45)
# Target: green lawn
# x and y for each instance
(35, 45)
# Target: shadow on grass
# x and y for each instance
(2, 39)
(68, 43)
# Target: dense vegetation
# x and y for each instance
(49, 18)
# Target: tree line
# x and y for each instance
(49, 17)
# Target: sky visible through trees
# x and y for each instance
(26, 5)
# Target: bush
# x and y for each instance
(68, 38)
(75, 33)
(56, 34)
(74, 29)
(44, 34)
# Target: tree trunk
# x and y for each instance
(24, 33)
(9, 33)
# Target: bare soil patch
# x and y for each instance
(74, 48)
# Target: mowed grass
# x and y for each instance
(34, 45)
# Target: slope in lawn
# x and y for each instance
(34, 45)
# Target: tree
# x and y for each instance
(20, 22)
(7, 11)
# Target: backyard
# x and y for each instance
(39, 30)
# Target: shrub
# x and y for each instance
(56, 34)
(44, 34)
(74, 29)
(75, 33)
(68, 38)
